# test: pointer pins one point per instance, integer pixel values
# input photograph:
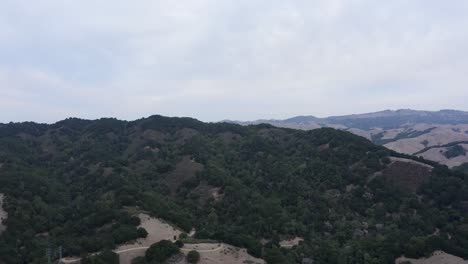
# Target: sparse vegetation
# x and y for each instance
(105, 257)
(454, 151)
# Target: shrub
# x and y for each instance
(193, 256)
(179, 243)
(139, 260)
(161, 251)
(142, 232)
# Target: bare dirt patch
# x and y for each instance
(290, 242)
(360, 132)
(210, 253)
(184, 170)
(394, 159)
(392, 133)
(3, 214)
(154, 135)
(185, 134)
(437, 154)
(229, 137)
(157, 230)
(407, 174)
(217, 194)
(324, 147)
(221, 254)
(438, 257)
(440, 135)
(205, 192)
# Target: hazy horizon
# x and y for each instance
(238, 60)
(226, 119)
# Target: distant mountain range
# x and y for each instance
(440, 136)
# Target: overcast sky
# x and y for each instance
(223, 59)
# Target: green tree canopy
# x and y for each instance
(161, 251)
(193, 256)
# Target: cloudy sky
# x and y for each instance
(229, 59)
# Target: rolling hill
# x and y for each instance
(440, 136)
(79, 184)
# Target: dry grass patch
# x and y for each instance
(437, 154)
(184, 170)
(407, 174)
(438, 257)
(157, 230)
(221, 254)
(291, 242)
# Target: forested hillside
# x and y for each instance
(75, 182)
(440, 136)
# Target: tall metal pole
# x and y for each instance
(60, 254)
(49, 258)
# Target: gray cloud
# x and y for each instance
(231, 59)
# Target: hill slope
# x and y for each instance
(75, 183)
(440, 136)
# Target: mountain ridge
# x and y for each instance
(76, 183)
(407, 131)
(440, 116)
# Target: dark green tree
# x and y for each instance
(161, 251)
(193, 256)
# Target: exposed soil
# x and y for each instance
(291, 242)
(394, 159)
(205, 192)
(437, 257)
(229, 137)
(437, 154)
(407, 174)
(184, 170)
(210, 253)
(221, 254)
(441, 135)
(157, 230)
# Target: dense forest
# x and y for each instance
(72, 183)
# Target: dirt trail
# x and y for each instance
(157, 230)
(204, 247)
(394, 159)
(210, 253)
(437, 154)
(221, 254)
